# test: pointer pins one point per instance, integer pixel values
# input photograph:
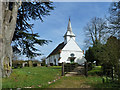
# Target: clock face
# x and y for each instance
(72, 54)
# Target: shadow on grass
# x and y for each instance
(105, 85)
(56, 67)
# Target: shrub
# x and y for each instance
(17, 63)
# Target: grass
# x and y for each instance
(35, 77)
(97, 70)
(38, 77)
(75, 82)
(82, 82)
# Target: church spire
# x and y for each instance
(69, 28)
(69, 34)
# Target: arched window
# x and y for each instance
(72, 54)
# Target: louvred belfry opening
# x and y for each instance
(69, 34)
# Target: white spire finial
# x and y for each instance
(69, 28)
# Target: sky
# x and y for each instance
(54, 26)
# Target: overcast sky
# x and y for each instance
(54, 26)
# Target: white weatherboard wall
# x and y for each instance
(53, 59)
(71, 47)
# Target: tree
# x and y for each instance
(95, 31)
(43, 60)
(8, 22)
(24, 37)
(114, 19)
(110, 56)
(111, 51)
(94, 54)
(89, 55)
(15, 56)
(20, 12)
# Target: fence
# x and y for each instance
(112, 73)
(67, 67)
(70, 67)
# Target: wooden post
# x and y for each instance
(86, 69)
(103, 80)
(112, 73)
(63, 69)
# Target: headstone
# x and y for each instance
(23, 64)
(38, 64)
(30, 63)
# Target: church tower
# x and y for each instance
(69, 34)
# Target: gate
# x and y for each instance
(74, 67)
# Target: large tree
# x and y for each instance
(24, 37)
(8, 22)
(95, 31)
(19, 33)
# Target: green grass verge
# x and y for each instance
(82, 82)
(35, 77)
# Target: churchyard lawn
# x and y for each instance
(31, 77)
(82, 82)
(50, 77)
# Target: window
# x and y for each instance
(72, 54)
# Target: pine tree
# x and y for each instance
(24, 37)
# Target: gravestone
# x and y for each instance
(23, 64)
(30, 63)
(38, 64)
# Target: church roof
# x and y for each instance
(57, 49)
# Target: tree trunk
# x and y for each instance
(8, 23)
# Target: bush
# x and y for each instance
(34, 64)
(17, 63)
(90, 66)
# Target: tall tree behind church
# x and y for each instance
(95, 31)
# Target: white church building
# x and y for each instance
(67, 51)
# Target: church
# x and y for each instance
(67, 51)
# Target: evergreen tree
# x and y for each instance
(94, 53)
(24, 37)
(110, 57)
(111, 51)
